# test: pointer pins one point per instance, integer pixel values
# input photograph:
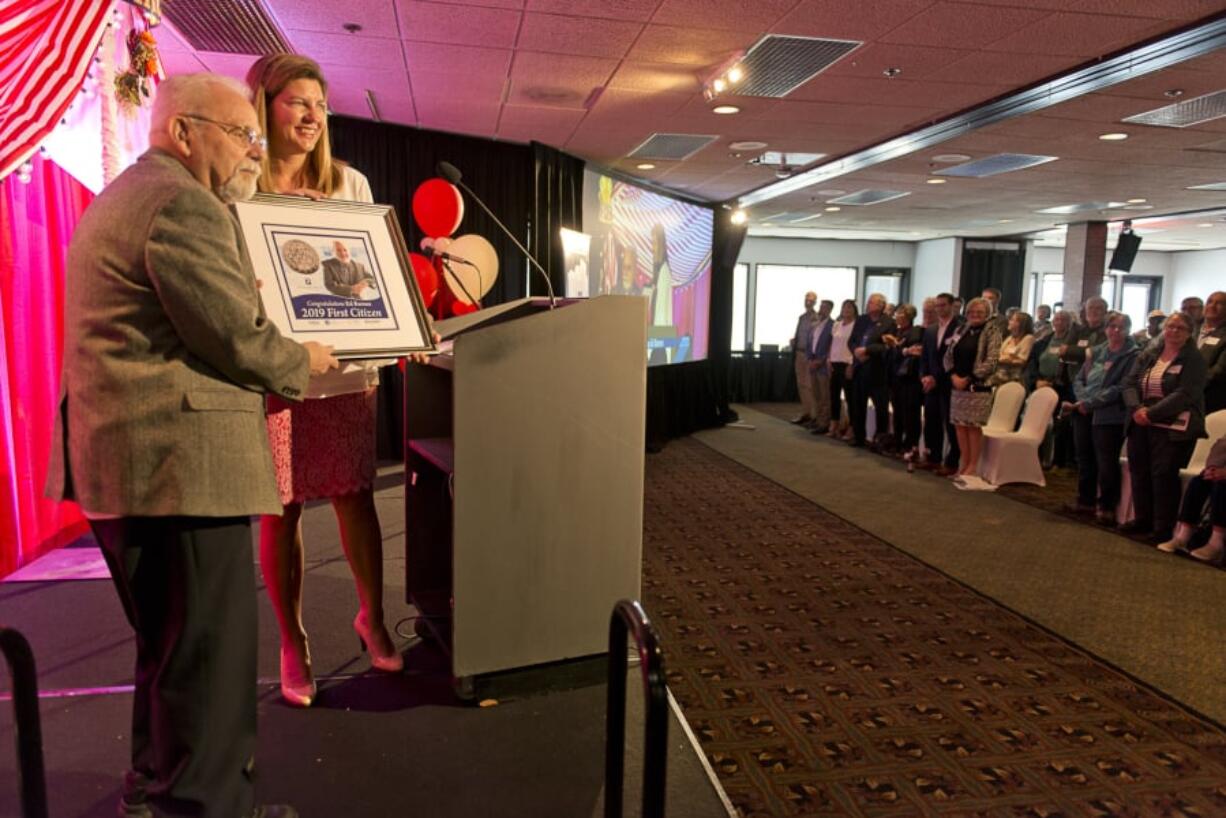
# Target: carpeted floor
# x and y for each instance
(828, 673)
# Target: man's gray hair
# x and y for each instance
(1097, 299)
(189, 93)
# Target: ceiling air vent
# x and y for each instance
(671, 146)
(777, 65)
(1210, 186)
(992, 165)
(864, 198)
(225, 26)
(1184, 114)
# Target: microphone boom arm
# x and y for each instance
(511, 236)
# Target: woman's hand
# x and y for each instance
(960, 382)
(1083, 407)
(1141, 417)
(313, 195)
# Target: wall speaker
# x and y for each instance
(1125, 252)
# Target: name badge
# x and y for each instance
(1175, 370)
(1212, 340)
(1084, 342)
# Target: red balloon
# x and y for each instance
(462, 308)
(427, 277)
(437, 207)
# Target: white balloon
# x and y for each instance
(441, 244)
(477, 277)
(427, 244)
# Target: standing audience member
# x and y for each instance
(1212, 342)
(1042, 322)
(1194, 308)
(959, 307)
(1049, 371)
(935, 381)
(1166, 397)
(998, 320)
(819, 368)
(1151, 330)
(1099, 389)
(906, 347)
(870, 379)
(1090, 335)
(971, 359)
(161, 439)
(840, 366)
(800, 354)
(1207, 487)
(1014, 350)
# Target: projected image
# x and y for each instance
(647, 244)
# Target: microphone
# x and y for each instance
(450, 257)
(428, 245)
(452, 174)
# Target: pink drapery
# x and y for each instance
(36, 222)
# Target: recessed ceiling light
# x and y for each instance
(1113, 137)
(936, 181)
(725, 109)
(833, 209)
(892, 72)
(1004, 221)
(1205, 224)
(831, 191)
(1138, 207)
(1173, 93)
(645, 166)
(1137, 201)
(951, 158)
(747, 145)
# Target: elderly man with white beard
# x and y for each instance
(160, 438)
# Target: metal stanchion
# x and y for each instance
(629, 616)
(25, 711)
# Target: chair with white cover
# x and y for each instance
(1215, 428)
(1006, 403)
(1013, 457)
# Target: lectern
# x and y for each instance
(524, 449)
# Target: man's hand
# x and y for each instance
(361, 285)
(861, 353)
(321, 357)
(1141, 417)
(960, 383)
(928, 382)
(1083, 407)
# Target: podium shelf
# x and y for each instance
(440, 451)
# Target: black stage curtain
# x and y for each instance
(397, 159)
(993, 267)
(762, 377)
(683, 398)
(557, 202)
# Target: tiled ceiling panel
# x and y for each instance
(640, 10)
(733, 15)
(1077, 35)
(376, 17)
(953, 25)
(689, 46)
(458, 60)
(584, 36)
(915, 62)
(655, 77)
(348, 49)
(851, 21)
(463, 25)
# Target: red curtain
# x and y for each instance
(36, 222)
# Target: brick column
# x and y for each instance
(1085, 258)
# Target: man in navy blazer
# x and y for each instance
(1211, 339)
(938, 387)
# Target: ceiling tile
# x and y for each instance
(1015, 69)
(377, 17)
(347, 49)
(232, 65)
(549, 125)
(625, 108)
(397, 109)
(639, 10)
(1078, 35)
(534, 68)
(450, 23)
(959, 25)
(180, 62)
(1163, 9)
(460, 61)
(916, 62)
(474, 118)
(839, 19)
(645, 76)
(689, 46)
(584, 36)
(733, 15)
(442, 86)
(169, 39)
(946, 96)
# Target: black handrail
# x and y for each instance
(25, 712)
(629, 615)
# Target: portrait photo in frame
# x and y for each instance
(337, 273)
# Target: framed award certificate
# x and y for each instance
(337, 273)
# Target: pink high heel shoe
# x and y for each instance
(391, 663)
(297, 684)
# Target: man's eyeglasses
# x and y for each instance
(248, 137)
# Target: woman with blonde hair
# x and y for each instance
(971, 358)
(323, 447)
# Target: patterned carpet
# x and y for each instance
(827, 673)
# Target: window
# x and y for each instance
(889, 281)
(1109, 289)
(780, 297)
(740, 304)
(1048, 289)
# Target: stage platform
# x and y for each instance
(374, 744)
